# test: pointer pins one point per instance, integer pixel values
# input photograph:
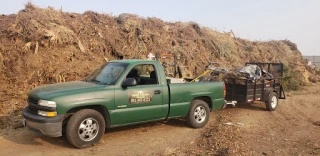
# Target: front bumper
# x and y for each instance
(50, 126)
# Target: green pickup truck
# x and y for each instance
(119, 93)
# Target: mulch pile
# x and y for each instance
(44, 45)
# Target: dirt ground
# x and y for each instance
(293, 129)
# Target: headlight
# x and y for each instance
(49, 114)
(47, 103)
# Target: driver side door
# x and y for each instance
(140, 103)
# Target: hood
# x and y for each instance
(50, 91)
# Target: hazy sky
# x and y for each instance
(295, 20)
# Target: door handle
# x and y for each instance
(157, 92)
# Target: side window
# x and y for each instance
(145, 74)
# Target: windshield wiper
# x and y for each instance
(94, 80)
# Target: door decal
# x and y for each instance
(138, 97)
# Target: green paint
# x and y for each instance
(116, 99)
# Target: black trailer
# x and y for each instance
(248, 91)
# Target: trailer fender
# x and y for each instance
(267, 93)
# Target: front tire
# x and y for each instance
(85, 128)
(272, 101)
(198, 114)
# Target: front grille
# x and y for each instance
(34, 107)
(32, 100)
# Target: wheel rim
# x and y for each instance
(88, 129)
(200, 114)
(274, 101)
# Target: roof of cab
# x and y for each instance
(132, 61)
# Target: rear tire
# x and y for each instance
(272, 101)
(85, 128)
(198, 114)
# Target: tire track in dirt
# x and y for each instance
(144, 139)
(287, 131)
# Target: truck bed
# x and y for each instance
(182, 93)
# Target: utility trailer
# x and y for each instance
(248, 91)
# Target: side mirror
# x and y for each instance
(129, 82)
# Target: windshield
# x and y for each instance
(108, 73)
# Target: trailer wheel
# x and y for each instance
(272, 101)
(198, 114)
(85, 128)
